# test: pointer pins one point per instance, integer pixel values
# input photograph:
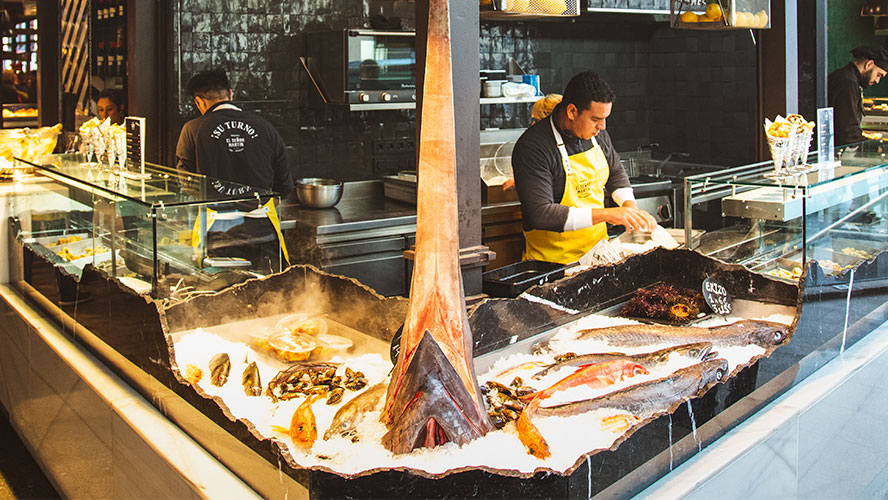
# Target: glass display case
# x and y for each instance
(834, 214)
(165, 233)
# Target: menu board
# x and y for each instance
(135, 143)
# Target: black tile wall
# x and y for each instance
(689, 91)
(258, 43)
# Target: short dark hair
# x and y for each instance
(209, 84)
(113, 95)
(585, 88)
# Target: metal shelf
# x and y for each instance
(507, 100)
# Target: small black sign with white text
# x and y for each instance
(717, 297)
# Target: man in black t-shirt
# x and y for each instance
(845, 90)
(229, 144)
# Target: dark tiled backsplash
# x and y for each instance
(689, 91)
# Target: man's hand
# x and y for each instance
(633, 219)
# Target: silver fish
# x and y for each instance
(699, 351)
(346, 420)
(745, 332)
(647, 398)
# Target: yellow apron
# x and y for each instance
(586, 174)
(269, 211)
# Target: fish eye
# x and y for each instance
(694, 353)
(719, 374)
(778, 336)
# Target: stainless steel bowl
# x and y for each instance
(316, 192)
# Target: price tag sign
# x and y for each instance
(717, 297)
(135, 143)
(825, 152)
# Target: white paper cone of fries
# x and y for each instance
(808, 136)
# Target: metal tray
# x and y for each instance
(512, 280)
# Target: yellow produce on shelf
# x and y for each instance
(714, 12)
(518, 5)
(552, 6)
(689, 17)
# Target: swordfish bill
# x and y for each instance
(433, 396)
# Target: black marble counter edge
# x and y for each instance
(728, 419)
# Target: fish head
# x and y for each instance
(633, 369)
(714, 370)
(766, 333)
(699, 351)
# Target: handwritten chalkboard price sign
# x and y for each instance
(717, 297)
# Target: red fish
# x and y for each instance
(433, 396)
(594, 375)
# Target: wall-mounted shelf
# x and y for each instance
(524, 10)
(508, 100)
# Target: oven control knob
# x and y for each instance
(386, 97)
(364, 97)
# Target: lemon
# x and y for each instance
(714, 12)
(689, 17)
(763, 18)
(553, 6)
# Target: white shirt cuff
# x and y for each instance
(578, 218)
(623, 195)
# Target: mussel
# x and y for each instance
(220, 367)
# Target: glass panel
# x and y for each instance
(156, 233)
(834, 214)
(384, 63)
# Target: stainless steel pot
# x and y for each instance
(316, 192)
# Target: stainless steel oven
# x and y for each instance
(365, 69)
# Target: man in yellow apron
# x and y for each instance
(562, 165)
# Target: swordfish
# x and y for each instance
(433, 396)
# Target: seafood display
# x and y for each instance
(314, 379)
(605, 375)
(648, 398)
(596, 375)
(346, 420)
(741, 333)
(700, 351)
(433, 397)
(667, 303)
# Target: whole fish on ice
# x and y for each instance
(699, 351)
(648, 398)
(765, 334)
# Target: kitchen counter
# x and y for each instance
(364, 236)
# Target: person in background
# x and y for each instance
(544, 107)
(541, 109)
(109, 104)
(11, 93)
(230, 144)
(845, 90)
(562, 164)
